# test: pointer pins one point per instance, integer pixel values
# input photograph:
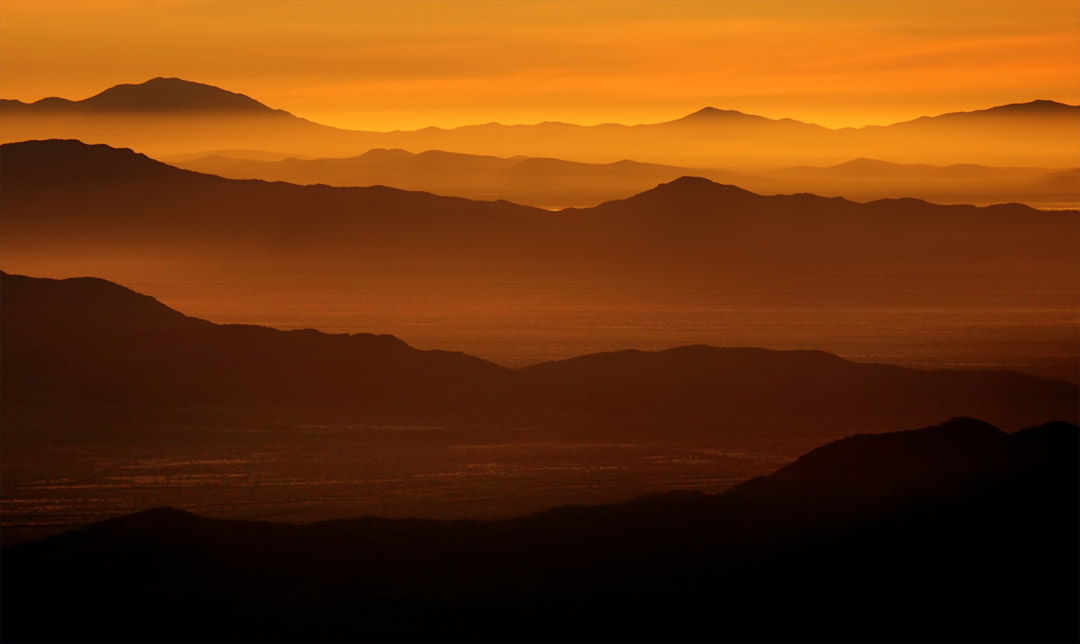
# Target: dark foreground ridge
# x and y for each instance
(958, 532)
(89, 349)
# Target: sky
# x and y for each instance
(412, 63)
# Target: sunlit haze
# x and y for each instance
(386, 65)
(527, 320)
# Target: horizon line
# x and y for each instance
(450, 127)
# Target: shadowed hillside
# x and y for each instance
(78, 347)
(173, 116)
(86, 345)
(931, 531)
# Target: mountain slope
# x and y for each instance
(115, 198)
(1037, 134)
(83, 346)
(168, 114)
(914, 536)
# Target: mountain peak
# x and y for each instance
(690, 186)
(172, 95)
(1037, 105)
(685, 192)
(707, 114)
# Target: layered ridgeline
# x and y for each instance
(893, 281)
(86, 348)
(552, 183)
(101, 202)
(957, 532)
(172, 116)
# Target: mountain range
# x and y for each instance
(69, 197)
(77, 209)
(85, 348)
(955, 532)
(551, 183)
(169, 116)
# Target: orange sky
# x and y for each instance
(412, 63)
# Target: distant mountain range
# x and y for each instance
(166, 116)
(86, 347)
(156, 95)
(65, 196)
(956, 532)
(554, 183)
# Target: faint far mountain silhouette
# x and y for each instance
(558, 183)
(89, 348)
(956, 532)
(156, 95)
(1039, 108)
(531, 181)
(207, 118)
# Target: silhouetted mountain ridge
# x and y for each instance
(962, 512)
(548, 182)
(174, 120)
(156, 96)
(1038, 107)
(78, 347)
(88, 301)
(110, 174)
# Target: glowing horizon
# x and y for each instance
(406, 65)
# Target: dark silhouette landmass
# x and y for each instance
(172, 116)
(87, 348)
(956, 532)
(555, 183)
